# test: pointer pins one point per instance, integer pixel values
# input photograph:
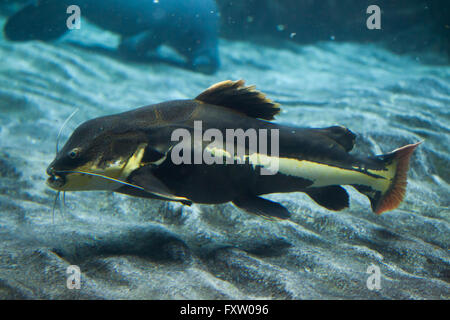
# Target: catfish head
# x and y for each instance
(99, 155)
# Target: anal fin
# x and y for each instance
(331, 197)
(262, 207)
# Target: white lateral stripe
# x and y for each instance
(321, 174)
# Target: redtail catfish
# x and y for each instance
(138, 153)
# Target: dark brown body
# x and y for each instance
(133, 151)
(212, 184)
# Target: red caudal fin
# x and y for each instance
(388, 193)
(392, 198)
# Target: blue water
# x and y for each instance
(129, 248)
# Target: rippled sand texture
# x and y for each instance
(142, 249)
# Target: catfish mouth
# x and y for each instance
(56, 182)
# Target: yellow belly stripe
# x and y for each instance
(120, 169)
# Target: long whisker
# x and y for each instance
(63, 210)
(62, 127)
(127, 184)
(54, 205)
(104, 177)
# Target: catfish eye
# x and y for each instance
(72, 154)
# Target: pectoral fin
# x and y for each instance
(331, 197)
(145, 179)
(262, 207)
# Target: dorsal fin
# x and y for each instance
(341, 135)
(236, 96)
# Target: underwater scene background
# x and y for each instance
(317, 59)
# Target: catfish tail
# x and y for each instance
(392, 194)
